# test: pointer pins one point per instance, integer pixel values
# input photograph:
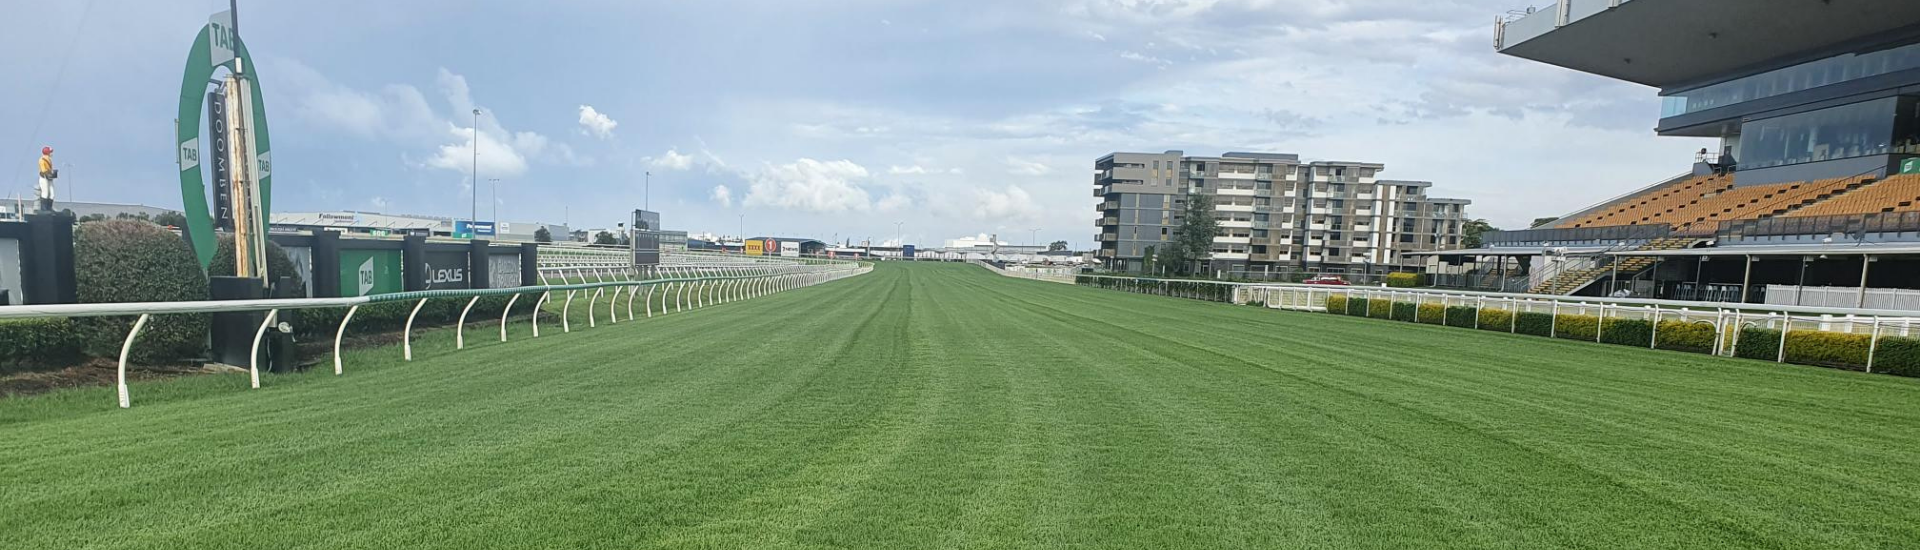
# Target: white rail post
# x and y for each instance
(1733, 340)
(340, 334)
(253, 358)
(126, 400)
(1785, 326)
(537, 304)
(591, 302)
(648, 301)
(566, 325)
(504, 313)
(406, 335)
(1873, 344)
(1599, 327)
(678, 298)
(632, 292)
(1554, 322)
(1653, 340)
(460, 327)
(613, 315)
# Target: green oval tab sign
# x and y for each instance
(216, 46)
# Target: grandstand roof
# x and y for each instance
(1669, 43)
(1847, 249)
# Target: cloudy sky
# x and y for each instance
(833, 119)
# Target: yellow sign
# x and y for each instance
(753, 248)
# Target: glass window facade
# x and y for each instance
(1805, 76)
(1847, 131)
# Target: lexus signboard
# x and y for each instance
(446, 270)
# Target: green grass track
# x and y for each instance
(941, 406)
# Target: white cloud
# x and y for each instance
(1010, 204)
(672, 160)
(721, 194)
(905, 170)
(811, 186)
(596, 123)
(893, 203)
(401, 115)
(1027, 167)
(379, 204)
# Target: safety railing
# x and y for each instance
(1052, 275)
(1861, 331)
(685, 288)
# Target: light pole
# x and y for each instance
(743, 233)
(495, 183)
(1033, 237)
(474, 216)
(646, 193)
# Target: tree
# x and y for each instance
(542, 235)
(1057, 246)
(1537, 222)
(1193, 242)
(604, 237)
(1147, 260)
(171, 219)
(1470, 232)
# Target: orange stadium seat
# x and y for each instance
(1896, 194)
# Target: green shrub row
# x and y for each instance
(35, 344)
(1895, 355)
(1405, 280)
(1197, 290)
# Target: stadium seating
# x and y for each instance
(1654, 204)
(1697, 205)
(1895, 194)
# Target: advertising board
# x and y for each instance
(446, 269)
(369, 272)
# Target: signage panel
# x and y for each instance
(369, 272)
(446, 269)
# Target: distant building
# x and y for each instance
(370, 223)
(1274, 211)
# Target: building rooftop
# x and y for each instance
(1674, 43)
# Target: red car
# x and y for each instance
(1334, 280)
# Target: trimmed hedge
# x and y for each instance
(1405, 311)
(1460, 316)
(1898, 356)
(1380, 308)
(1497, 320)
(1627, 332)
(1336, 303)
(137, 261)
(1404, 280)
(1686, 336)
(1431, 314)
(1537, 324)
(1577, 327)
(36, 344)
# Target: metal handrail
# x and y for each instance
(733, 283)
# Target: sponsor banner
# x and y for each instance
(472, 229)
(754, 248)
(369, 272)
(1910, 166)
(790, 250)
(220, 161)
(907, 250)
(447, 270)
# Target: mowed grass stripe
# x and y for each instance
(1857, 489)
(943, 406)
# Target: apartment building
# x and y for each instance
(1274, 211)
